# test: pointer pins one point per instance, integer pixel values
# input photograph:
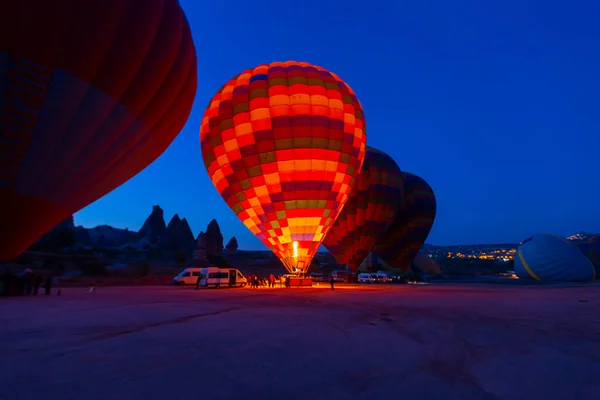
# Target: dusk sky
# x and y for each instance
(495, 104)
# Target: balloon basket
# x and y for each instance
(296, 281)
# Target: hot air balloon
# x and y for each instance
(371, 208)
(591, 248)
(282, 143)
(91, 92)
(407, 234)
(551, 258)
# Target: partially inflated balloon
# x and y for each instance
(591, 248)
(282, 144)
(407, 234)
(371, 208)
(91, 92)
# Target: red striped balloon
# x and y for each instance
(91, 92)
(407, 234)
(371, 208)
(282, 143)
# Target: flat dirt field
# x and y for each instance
(443, 341)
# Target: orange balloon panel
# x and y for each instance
(282, 144)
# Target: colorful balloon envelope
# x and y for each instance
(282, 143)
(407, 234)
(91, 92)
(372, 206)
(591, 248)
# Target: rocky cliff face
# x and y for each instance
(200, 256)
(154, 226)
(68, 223)
(178, 236)
(232, 246)
(214, 242)
(107, 236)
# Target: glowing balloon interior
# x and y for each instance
(282, 144)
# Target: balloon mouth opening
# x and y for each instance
(296, 264)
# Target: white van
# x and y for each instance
(339, 276)
(222, 277)
(211, 277)
(366, 278)
(188, 276)
(382, 277)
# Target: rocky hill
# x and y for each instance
(174, 237)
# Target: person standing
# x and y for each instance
(48, 286)
(332, 281)
(198, 281)
(37, 281)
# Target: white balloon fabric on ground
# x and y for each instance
(550, 258)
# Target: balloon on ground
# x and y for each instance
(409, 230)
(372, 206)
(91, 92)
(551, 258)
(282, 143)
(591, 249)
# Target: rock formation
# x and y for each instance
(174, 239)
(178, 236)
(232, 246)
(200, 253)
(68, 223)
(154, 226)
(61, 236)
(214, 243)
(108, 236)
(82, 236)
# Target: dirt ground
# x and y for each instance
(422, 342)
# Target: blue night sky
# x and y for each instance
(495, 105)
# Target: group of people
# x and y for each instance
(24, 284)
(256, 281)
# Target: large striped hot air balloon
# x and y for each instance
(407, 234)
(91, 92)
(371, 208)
(282, 144)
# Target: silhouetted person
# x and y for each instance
(48, 286)
(198, 281)
(271, 280)
(332, 281)
(37, 281)
(28, 283)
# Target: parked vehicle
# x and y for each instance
(366, 278)
(188, 276)
(225, 277)
(211, 277)
(318, 277)
(339, 276)
(382, 277)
